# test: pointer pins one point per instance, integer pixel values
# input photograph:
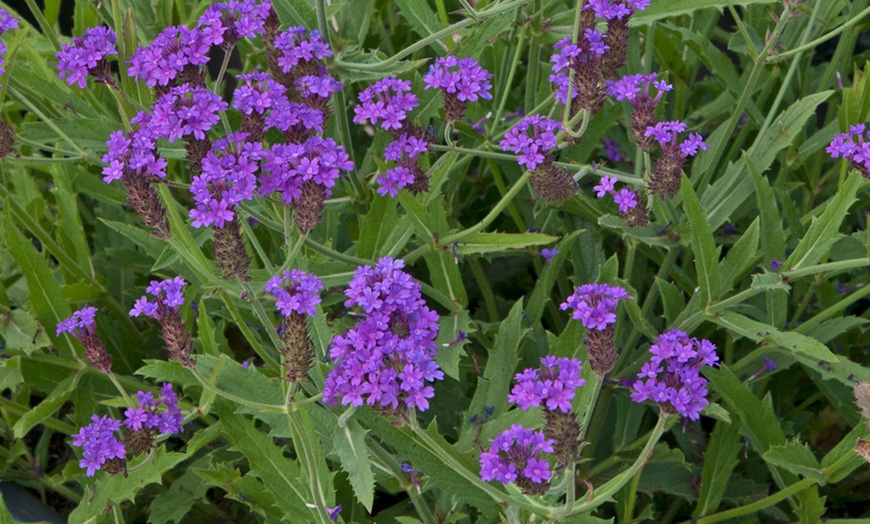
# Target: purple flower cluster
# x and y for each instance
(228, 177)
(286, 167)
(183, 112)
(99, 440)
(87, 55)
(462, 80)
(176, 53)
(297, 46)
(168, 296)
(858, 153)
(665, 133)
(672, 376)
(635, 88)
(587, 49)
(531, 138)
(388, 100)
(297, 121)
(595, 305)
(665, 180)
(515, 456)
(99, 443)
(225, 23)
(625, 198)
(404, 151)
(257, 94)
(80, 321)
(296, 291)
(616, 9)
(7, 22)
(611, 150)
(553, 385)
(387, 359)
(134, 153)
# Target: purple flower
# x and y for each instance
(297, 45)
(388, 358)
(388, 100)
(167, 295)
(611, 150)
(461, 77)
(553, 385)
(286, 166)
(404, 151)
(616, 9)
(228, 177)
(185, 111)
(589, 48)
(80, 321)
(853, 147)
(531, 138)
(7, 22)
(548, 254)
(516, 452)
(595, 304)
(99, 443)
(245, 18)
(605, 186)
(296, 291)
(775, 264)
(86, 55)
(176, 53)
(625, 199)
(672, 377)
(258, 93)
(134, 153)
(333, 512)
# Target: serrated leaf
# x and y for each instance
(58, 396)
(296, 12)
(768, 281)
(350, 444)
(668, 8)
(420, 16)
(720, 460)
(108, 491)
(10, 373)
(20, 331)
(824, 231)
(795, 457)
(279, 474)
(544, 285)
(703, 245)
(497, 242)
(795, 343)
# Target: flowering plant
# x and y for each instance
(435, 261)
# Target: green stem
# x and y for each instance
(757, 505)
(51, 423)
(833, 309)
(47, 30)
(830, 266)
(223, 70)
(300, 441)
(603, 494)
(587, 414)
(731, 301)
(121, 389)
(862, 16)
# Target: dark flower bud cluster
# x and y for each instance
(516, 455)
(853, 148)
(672, 377)
(407, 173)
(533, 139)
(595, 306)
(553, 387)
(86, 55)
(7, 22)
(298, 295)
(101, 447)
(636, 90)
(387, 360)
(164, 307)
(82, 326)
(665, 180)
(462, 80)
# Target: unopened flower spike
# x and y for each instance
(533, 139)
(298, 295)
(595, 306)
(164, 307)
(82, 326)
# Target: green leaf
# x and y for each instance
(45, 295)
(845, 448)
(296, 12)
(421, 17)
(58, 396)
(772, 236)
(497, 242)
(547, 279)
(824, 231)
(740, 257)
(667, 8)
(795, 344)
(812, 507)
(673, 300)
(795, 457)
(173, 504)
(20, 331)
(280, 474)
(108, 490)
(5, 517)
(350, 444)
(703, 245)
(493, 389)
(10, 373)
(768, 281)
(153, 246)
